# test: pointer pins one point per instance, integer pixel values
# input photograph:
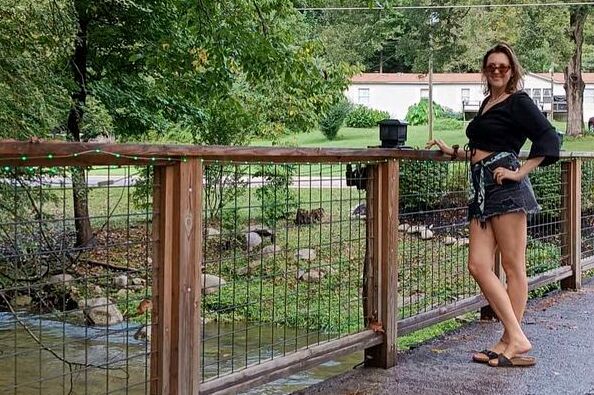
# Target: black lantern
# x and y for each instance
(392, 133)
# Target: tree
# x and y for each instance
(215, 72)
(574, 83)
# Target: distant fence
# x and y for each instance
(213, 269)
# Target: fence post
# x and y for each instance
(571, 224)
(381, 282)
(177, 231)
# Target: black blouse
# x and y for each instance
(507, 125)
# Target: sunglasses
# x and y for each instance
(502, 68)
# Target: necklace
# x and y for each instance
(493, 101)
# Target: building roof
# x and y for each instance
(446, 78)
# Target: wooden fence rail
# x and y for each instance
(177, 227)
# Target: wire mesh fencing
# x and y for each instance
(75, 253)
(433, 234)
(284, 246)
(587, 203)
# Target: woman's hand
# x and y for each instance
(501, 173)
(443, 147)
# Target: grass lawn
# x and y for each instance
(417, 136)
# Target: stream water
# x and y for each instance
(91, 350)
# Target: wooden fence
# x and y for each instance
(178, 236)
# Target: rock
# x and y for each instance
(271, 249)
(415, 229)
(21, 301)
(138, 281)
(360, 210)
(252, 267)
(331, 270)
(426, 234)
(122, 293)
(97, 290)
(121, 281)
(60, 279)
(101, 311)
(449, 240)
(403, 227)
(252, 240)
(306, 254)
(261, 230)
(211, 232)
(75, 317)
(143, 333)
(134, 287)
(211, 284)
(312, 276)
(462, 241)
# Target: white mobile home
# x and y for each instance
(395, 92)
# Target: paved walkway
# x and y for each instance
(560, 327)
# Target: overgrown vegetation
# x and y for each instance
(364, 117)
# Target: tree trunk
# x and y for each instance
(574, 84)
(78, 63)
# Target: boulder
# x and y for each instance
(121, 281)
(449, 240)
(462, 241)
(21, 301)
(143, 333)
(211, 232)
(102, 312)
(138, 281)
(271, 249)
(360, 210)
(252, 240)
(306, 254)
(261, 230)
(211, 284)
(403, 227)
(60, 279)
(312, 276)
(426, 234)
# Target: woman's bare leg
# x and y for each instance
(480, 263)
(511, 236)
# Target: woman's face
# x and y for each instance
(498, 70)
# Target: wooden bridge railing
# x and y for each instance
(177, 229)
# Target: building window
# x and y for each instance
(465, 95)
(546, 95)
(363, 96)
(588, 96)
(536, 95)
(424, 93)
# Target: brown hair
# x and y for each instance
(516, 82)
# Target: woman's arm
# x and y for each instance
(446, 149)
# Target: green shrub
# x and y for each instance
(422, 184)
(332, 121)
(364, 117)
(546, 183)
(278, 200)
(418, 114)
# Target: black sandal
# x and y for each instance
(488, 356)
(513, 362)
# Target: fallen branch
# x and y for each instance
(111, 266)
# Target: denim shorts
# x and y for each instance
(488, 199)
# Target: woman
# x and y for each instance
(502, 195)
